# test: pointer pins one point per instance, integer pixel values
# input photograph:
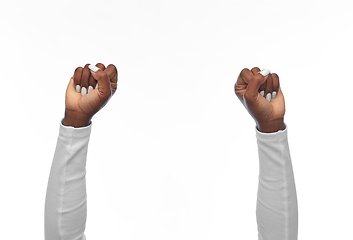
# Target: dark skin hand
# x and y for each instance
(269, 116)
(79, 109)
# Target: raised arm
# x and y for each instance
(65, 204)
(277, 210)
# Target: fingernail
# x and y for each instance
(90, 88)
(96, 86)
(262, 92)
(274, 94)
(93, 68)
(268, 97)
(78, 88)
(265, 72)
(83, 91)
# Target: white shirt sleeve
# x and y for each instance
(277, 209)
(66, 200)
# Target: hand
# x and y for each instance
(267, 113)
(83, 99)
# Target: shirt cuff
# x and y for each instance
(68, 131)
(275, 136)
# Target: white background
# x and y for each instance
(173, 155)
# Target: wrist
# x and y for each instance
(271, 126)
(75, 119)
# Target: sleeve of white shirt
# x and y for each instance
(277, 209)
(66, 200)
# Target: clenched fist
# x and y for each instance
(88, 91)
(263, 98)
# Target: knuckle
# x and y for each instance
(100, 65)
(244, 70)
(112, 66)
(78, 69)
(255, 69)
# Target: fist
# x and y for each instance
(88, 92)
(263, 98)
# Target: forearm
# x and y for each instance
(277, 210)
(65, 205)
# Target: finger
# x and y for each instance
(113, 76)
(255, 70)
(275, 84)
(92, 83)
(241, 84)
(104, 89)
(252, 91)
(262, 88)
(268, 90)
(77, 78)
(85, 79)
(101, 66)
(245, 76)
(112, 73)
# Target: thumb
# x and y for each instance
(252, 90)
(103, 81)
